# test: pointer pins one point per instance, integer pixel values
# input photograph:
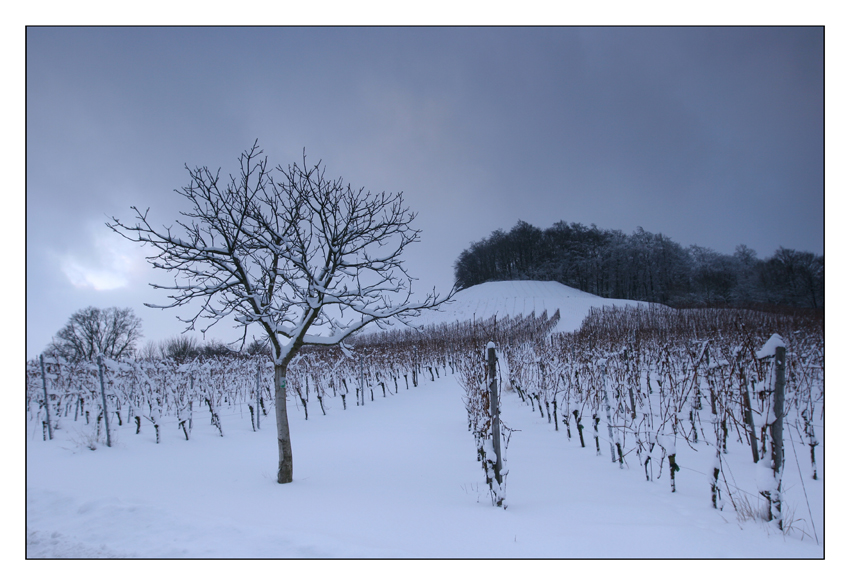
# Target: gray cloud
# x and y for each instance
(711, 136)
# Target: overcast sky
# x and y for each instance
(711, 136)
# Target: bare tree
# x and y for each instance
(150, 351)
(179, 347)
(307, 259)
(90, 331)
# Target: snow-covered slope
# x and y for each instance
(520, 297)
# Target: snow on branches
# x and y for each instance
(308, 259)
(287, 249)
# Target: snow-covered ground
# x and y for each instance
(397, 477)
(521, 297)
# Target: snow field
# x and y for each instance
(396, 478)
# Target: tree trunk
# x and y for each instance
(284, 445)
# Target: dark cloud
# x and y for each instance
(712, 136)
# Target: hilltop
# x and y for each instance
(521, 297)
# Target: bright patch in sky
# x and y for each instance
(109, 265)
(83, 276)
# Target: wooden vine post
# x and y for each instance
(748, 411)
(46, 399)
(258, 396)
(495, 424)
(191, 394)
(363, 384)
(103, 396)
(604, 367)
(776, 435)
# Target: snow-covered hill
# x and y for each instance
(520, 297)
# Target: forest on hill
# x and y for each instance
(644, 266)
